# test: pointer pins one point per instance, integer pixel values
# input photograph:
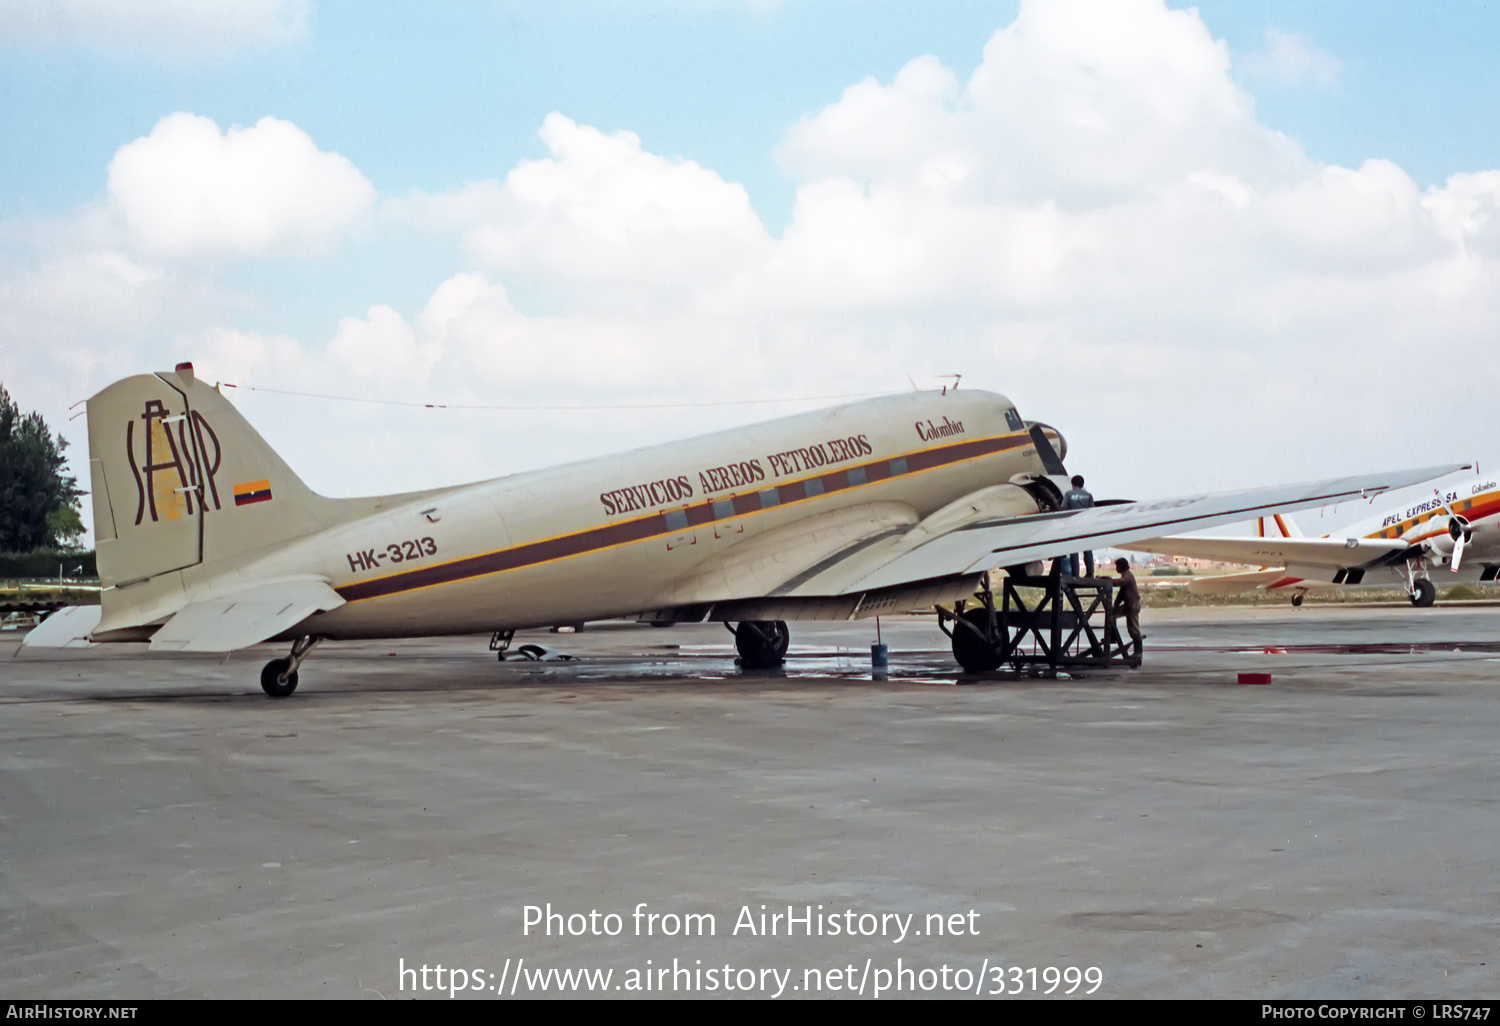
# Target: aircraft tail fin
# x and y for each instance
(1281, 525)
(179, 478)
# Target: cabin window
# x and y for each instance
(857, 476)
(677, 520)
(898, 466)
(813, 486)
(768, 498)
(723, 508)
(1013, 420)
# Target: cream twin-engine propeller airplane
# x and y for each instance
(1457, 528)
(207, 542)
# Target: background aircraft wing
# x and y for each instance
(1335, 553)
(983, 545)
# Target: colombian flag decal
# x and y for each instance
(252, 491)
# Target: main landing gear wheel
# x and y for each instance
(970, 647)
(1423, 593)
(761, 644)
(1297, 598)
(278, 679)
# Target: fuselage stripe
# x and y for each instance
(1480, 507)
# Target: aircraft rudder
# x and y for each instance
(180, 478)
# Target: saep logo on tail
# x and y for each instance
(175, 458)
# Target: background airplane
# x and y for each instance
(1456, 529)
(207, 541)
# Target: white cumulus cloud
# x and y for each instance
(188, 188)
(1077, 102)
(602, 213)
(383, 345)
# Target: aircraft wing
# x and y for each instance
(244, 618)
(983, 545)
(1334, 553)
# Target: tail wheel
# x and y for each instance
(1423, 593)
(278, 679)
(973, 652)
(1298, 597)
(762, 644)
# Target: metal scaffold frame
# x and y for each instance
(1070, 625)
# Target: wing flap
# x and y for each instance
(982, 546)
(244, 618)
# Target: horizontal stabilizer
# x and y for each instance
(69, 627)
(1233, 584)
(244, 618)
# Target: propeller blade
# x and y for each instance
(1458, 550)
(1051, 462)
(1443, 505)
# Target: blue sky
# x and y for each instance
(431, 107)
(430, 96)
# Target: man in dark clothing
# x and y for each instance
(1128, 600)
(1079, 498)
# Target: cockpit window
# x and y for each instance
(1013, 419)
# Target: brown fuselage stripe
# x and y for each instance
(595, 539)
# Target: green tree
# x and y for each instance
(38, 503)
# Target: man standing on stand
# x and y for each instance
(1079, 498)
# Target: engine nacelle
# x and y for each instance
(993, 503)
(1046, 492)
(1458, 527)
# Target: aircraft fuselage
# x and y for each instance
(619, 535)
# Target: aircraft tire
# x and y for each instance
(1297, 598)
(1424, 593)
(973, 653)
(762, 644)
(272, 681)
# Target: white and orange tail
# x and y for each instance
(1280, 525)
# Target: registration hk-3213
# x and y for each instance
(396, 552)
